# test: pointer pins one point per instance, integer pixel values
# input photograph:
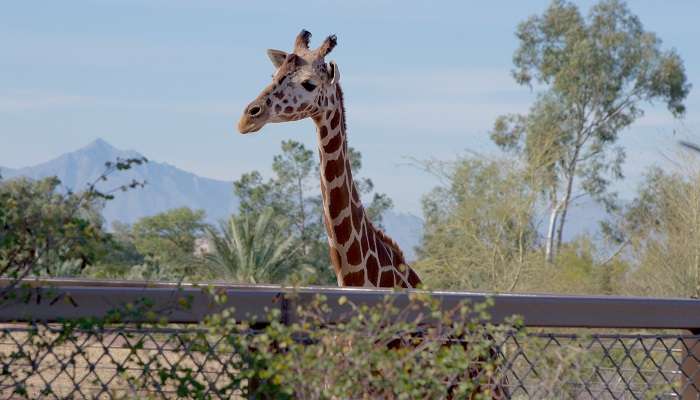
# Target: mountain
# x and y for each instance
(169, 187)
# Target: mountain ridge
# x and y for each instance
(169, 187)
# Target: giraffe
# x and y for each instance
(305, 86)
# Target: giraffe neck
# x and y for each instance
(361, 254)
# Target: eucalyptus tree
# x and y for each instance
(595, 73)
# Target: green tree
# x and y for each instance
(252, 249)
(659, 233)
(296, 191)
(170, 235)
(36, 219)
(479, 228)
(44, 230)
(595, 73)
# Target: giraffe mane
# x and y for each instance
(341, 100)
(380, 233)
(389, 242)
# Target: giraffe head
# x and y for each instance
(299, 86)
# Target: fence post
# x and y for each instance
(691, 367)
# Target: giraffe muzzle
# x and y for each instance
(253, 118)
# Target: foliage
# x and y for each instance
(577, 270)
(595, 71)
(660, 232)
(360, 358)
(42, 228)
(481, 234)
(36, 217)
(479, 229)
(252, 249)
(169, 235)
(122, 251)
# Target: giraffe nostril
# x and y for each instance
(254, 111)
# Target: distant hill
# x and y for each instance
(167, 186)
(170, 187)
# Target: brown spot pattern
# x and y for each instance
(278, 108)
(354, 278)
(413, 278)
(355, 196)
(279, 95)
(338, 201)
(356, 216)
(372, 270)
(387, 279)
(343, 230)
(334, 144)
(336, 120)
(323, 131)
(370, 238)
(288, 110)
(354, 253)
(383, 254)
(398, 281)
(365, 242)
(334, 168)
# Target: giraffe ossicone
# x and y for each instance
(305, 86)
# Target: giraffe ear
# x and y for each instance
(277, 57)
(334, 73)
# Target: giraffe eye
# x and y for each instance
(308, 85)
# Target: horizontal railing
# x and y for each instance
(58, 299)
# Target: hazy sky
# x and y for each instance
(169, 78)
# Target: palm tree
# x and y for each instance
(251, 249)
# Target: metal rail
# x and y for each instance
(51, 300)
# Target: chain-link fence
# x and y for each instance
(600, 366)
(40, 361)
(64, 360)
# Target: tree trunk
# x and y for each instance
(564, 205)
(549, 248)
(560, 227)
